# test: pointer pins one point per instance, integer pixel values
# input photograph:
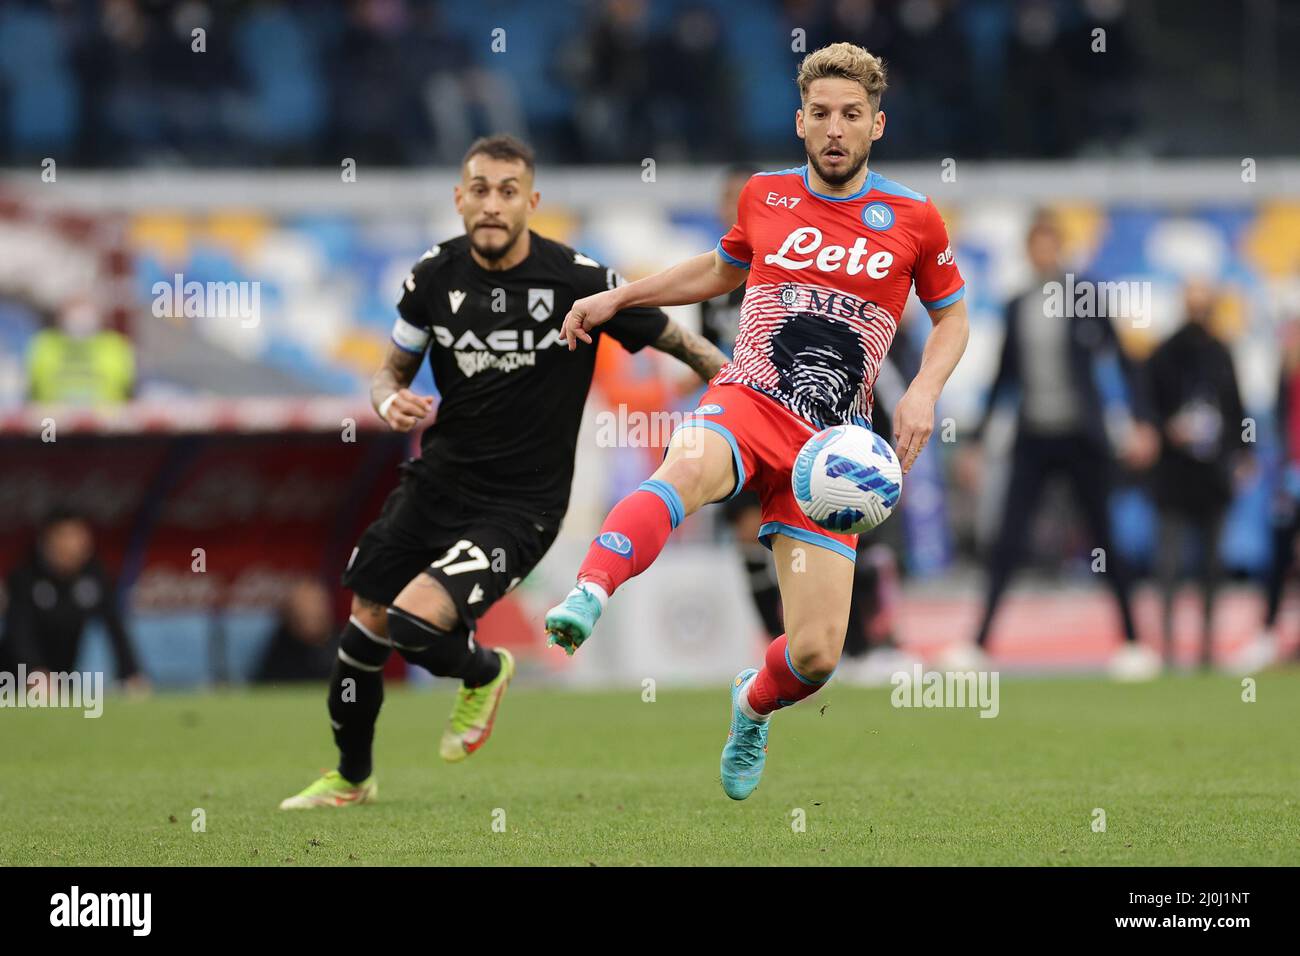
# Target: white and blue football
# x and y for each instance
(847, 479)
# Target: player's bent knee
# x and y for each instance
(372, 615)
(412, 633)
(816, 666)
(815, 652)
(442, 652)
(702, 472)
(687, 475)
(425, 598)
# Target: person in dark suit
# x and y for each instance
(1199, 414)
(1048, 357)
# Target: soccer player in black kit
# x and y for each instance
(481, 506)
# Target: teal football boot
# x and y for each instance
(570, 622)
(745, 752)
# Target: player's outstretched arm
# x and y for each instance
(393, 401)
(914, 415)
(694, 280)
(704, 358)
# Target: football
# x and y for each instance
(847, 479)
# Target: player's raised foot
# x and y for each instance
(745, 752)
(332, 790)
(475, 712)
(570, 622)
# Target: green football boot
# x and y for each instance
(331, 790)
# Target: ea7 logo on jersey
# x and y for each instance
(803, 242)
(785, 202)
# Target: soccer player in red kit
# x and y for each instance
(829, 252)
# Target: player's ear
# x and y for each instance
(533, 200)
(798, 123)
(459, 196)
(878, 125)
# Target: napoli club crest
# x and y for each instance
(618, 543)
(877, 216)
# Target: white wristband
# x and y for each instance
(385, 405)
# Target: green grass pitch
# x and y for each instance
(1186, 772)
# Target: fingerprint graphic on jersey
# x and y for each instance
(820, 365)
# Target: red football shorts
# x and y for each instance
(765, 438)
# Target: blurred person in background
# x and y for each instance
(1262, 651)
(301, 647)
(613, 78)
(1198, 411)
(1050, 359)
(54, 594)
(80, 361)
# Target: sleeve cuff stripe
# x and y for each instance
(407, 348)
(946, 300)
(729, 257)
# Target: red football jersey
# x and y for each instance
(828, 280)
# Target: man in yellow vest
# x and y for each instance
(80, 361)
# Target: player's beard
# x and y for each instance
(493, 253)
(844, 176)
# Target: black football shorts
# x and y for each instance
(477, 554)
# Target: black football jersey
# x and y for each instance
(512, 393)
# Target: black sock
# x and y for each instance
(452, 653)
(483, 667)
(763, 587)
(355, 696)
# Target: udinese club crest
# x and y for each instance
(541, 303)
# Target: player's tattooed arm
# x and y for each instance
(393, 401)
(691, 348)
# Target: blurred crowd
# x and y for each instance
(295, 82)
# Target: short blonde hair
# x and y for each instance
(844, 60)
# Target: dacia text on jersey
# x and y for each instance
(504, 349)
